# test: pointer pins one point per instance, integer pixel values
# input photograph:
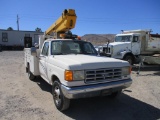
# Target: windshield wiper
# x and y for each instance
(63, 53)
(58, 54)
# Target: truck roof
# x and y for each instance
(64, 40)
(139, 30)
(127, 34)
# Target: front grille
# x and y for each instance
(106, 50)
(103, 75)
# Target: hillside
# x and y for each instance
(98, 39)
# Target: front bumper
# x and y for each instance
(94, 89)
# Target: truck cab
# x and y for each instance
(132, 42)
(75, 70)
(58, 51)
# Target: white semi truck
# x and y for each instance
(133, 46)
(74, 69)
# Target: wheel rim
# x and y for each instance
(57, 96)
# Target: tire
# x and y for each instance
(61, 102)
(129, 58)
(115, 94)
(30, 74)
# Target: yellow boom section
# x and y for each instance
(65, 23)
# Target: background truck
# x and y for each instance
(133, 46)
(73, 67)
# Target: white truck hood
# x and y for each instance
(119, 43)
(120, 46)
(82, 62)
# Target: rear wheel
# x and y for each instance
(129, 58)
(30, 74)
(60, 101)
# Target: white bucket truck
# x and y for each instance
(74, 69)
(133, 46)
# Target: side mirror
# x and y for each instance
(33, 51)
(36, 45)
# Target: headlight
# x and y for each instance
(126, 70)
(74, 75)
(78, 75)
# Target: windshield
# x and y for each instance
(126, 38)
(72, 47)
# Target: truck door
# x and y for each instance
(42, 60)
(135, 45)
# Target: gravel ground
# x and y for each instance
(22, 99)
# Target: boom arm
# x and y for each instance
(65, 23)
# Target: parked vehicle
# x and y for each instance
(134, 46)
(73, 67)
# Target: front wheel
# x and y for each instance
(60, 101)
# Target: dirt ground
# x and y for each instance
(22, 99)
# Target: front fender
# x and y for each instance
(121, 54)
(55, 71)
(127, 53)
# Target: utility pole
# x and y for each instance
(17, 23)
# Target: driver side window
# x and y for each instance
(135, 38)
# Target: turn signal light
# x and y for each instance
(68, 75)
(62, 35)
(78, 37)
(130, 69)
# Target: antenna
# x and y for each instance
(17, 22)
